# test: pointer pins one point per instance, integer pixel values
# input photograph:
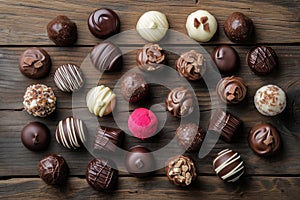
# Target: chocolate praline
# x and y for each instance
(191, 65)
(238, 27)
(35, 63)
(262, 60)
(134, 87)
(139, 161)
(53, 169)
(231, 90)
(102, 175)
(150, 58)
(264, 139)
(62, 31)
(104, 23)
(36, 136)
(107, 138)
(180, 102)
(226, 59)
(106, 57)
(190, 137)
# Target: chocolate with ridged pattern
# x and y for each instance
(107, 138)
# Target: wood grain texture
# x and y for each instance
(205, 187)
(24, 23)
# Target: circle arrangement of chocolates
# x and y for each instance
(102, 174)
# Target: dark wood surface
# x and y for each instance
(22, 25)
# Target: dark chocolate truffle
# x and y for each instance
(108, 139)
(238, 27)
(62, 31)
(70, 133)
(35, 63)
(181, 171)
(104, 23)
(191, 65)
(139, 161)
(264, 139)
(68, 78)
(180, 102)
(262, 60)
(134, 87)
(36, 136)
(190, 137)
(229, 165)
(101, 175)
(53, 169)
(106, 57)
(225, 124)
(150, 58)
(231, 90)
(226, 59)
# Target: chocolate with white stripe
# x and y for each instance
(228, 165)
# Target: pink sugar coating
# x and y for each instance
(142, 123)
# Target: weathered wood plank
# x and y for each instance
(24, 23)
(206, 187)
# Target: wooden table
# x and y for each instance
(23, 25)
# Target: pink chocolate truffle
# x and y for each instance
(142, 123)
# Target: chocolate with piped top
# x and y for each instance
(262, 60)
(264, 139)
(150, 58)
(35, 63)
(36, 136)
(53, 169)
(104, 23)
(107, 138)
(231, 90)
(62, 31)
(226, 59)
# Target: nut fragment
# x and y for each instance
(181, 171)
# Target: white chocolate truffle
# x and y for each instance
(68, 78)
(152, 26)
(100, 100)
(201, 25)
(39, 100)
(270, 100)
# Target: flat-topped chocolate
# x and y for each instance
(107, 138)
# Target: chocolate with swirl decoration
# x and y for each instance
(191, 65)
(264, 139)
(180, 102)
(231, 90)
(150, 58)
(35, 63)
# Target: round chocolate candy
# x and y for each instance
(53, 169)
(238, 27)
(150, 58)
(101, 176)
(264, 139)
(270, 100)
(68, 78)
(191, 65)
(262, 60)
(181, 171)
(106, 57)
(152, 26)
(39, 100)
(35, 63)
(201, 25)
(36, 136)
(226, 59)
(231, 90)
(103, 23)
(62, 31)
(190, 137)
(139, 161)
(134, 87)
(229, 165)
(180, 102)
(70, 133)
